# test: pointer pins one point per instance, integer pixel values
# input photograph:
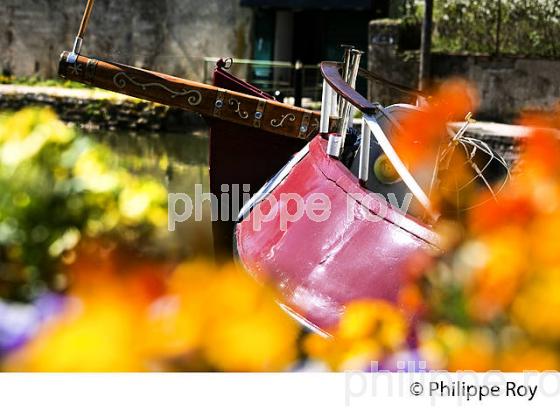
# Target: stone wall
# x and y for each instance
(172, 36)
(507, 85)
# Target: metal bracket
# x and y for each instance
(259, 113)
(91, 66)
(73, 56)
(304, 127)
(220, 102)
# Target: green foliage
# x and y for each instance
(526, 27)
(58, 188)
(37, 81)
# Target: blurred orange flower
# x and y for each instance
(423, 132)
(515, 207)
(524, 356)
(536, 307)
(502, 266)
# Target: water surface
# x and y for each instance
(179, 161)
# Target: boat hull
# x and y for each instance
(363, 250)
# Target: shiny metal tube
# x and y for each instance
(334, 105)
(355, 58)
(327, 106)
(345, 75)
(363, 173)
(326, 103)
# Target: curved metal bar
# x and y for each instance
(331, 73)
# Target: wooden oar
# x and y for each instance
(210, 101)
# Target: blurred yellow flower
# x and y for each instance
(246, 329)
(258, 341)
(24, 134)
(94, 173)
(91, 336)
(378, 320)
(224, 316)
(368, 330)
(453, 348)
(142, 200)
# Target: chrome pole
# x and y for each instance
(326, 102)
(334, 105)
(355, 58)
(328, 105)
(364, 153)
(345, 74)
(334, 144)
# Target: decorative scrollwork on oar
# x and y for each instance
(194, 97)
(279, 123)
(233, 102)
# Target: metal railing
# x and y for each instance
(289, 80)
